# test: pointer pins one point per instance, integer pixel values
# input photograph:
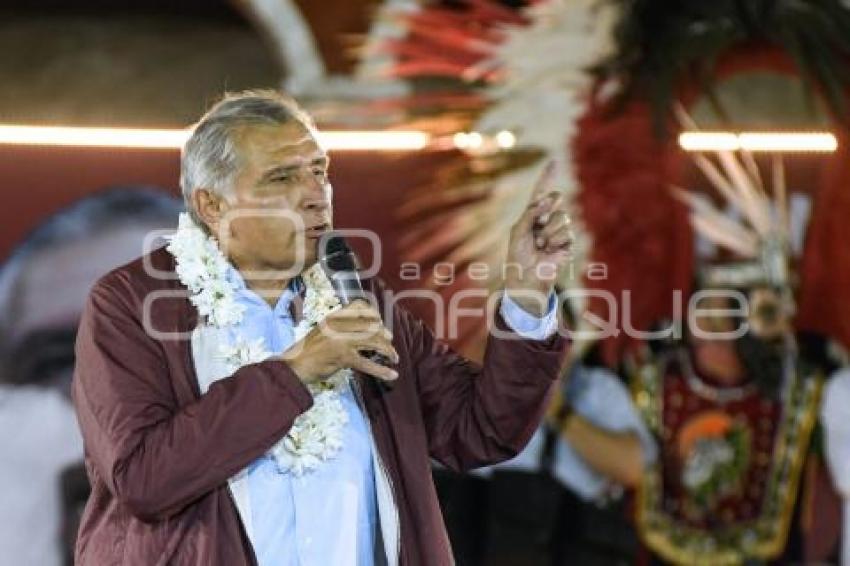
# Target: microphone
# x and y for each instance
(342, 269)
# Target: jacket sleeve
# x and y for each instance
(481, 415)
(154, 456)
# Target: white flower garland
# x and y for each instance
(316, 435)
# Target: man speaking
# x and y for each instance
(235, 413)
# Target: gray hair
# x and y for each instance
(210, 158)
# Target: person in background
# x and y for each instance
(560, 501)
(593, 448)
(43, 286)
(835, 418)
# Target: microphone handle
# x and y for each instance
(347, 286)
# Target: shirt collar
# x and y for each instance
(235, 279)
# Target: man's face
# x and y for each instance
(282, 199)
(767, 319)
(757, 354)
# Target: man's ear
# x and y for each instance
(209, 207)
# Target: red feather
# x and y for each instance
(639, 231)
(824, 302)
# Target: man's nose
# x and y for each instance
(316, 196)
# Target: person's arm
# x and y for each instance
(603, 430)
(616, 455)
(835, 417)
(481, 415)
(476, 416)
(155, 456)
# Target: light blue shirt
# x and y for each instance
(329, 515)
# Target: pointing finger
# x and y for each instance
(537, 200)
(544, 182)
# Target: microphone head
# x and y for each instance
(330, 243)
(334, 254)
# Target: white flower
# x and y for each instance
(192, 272)
(316, 435)
(244, 353)
(337, 380)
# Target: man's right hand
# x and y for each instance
(338, 342)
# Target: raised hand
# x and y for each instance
(539, 245)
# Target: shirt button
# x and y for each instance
(308, 541)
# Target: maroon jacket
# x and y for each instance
(159, 454)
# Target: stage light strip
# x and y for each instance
(759, 141)
(92, 137)
(372, 141)
(174, 139)
(397, 140)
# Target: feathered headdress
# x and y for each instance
(758, 235)
(588, 83)
(529, 67)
